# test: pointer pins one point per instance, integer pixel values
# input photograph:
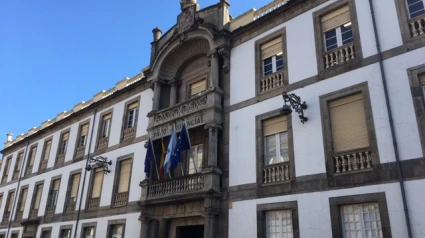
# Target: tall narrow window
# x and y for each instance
(66, 233)
(96, 189)
(279, 224)
(31, 160)
(89, 232)
(361, 220)
(23, 199)
(195, 159)
(117, 231)
(415, 7)
(18, 165)
(74, 187)
(83, 135)
(54, 192)
(271, 55)
(46, 152)
(106, 125)
(1, 200)
(124, 176)
(275, 140)
(198, 88)
(422, 82)
(132, 115)
(38, 193)
(336, 28)
(6, 169)
(64, 143)
(10, 201)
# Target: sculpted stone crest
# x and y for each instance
(186, 19)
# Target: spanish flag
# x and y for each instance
(161, 166)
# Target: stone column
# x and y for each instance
(214, 68)
(210, 226)
(157, 95)
(144, 231)
(173, 92)
(212, 143)
(163, 228)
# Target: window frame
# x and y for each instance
(50, 195)
(30, 154)
(262, 209)
(69, 188)
(78, 139)
(260, 144)
(202, 159)
(125, 116)
(65, 227)
(100, 128)
(6, 168)
(117, 177)
(259, 74)
(418, 98)
(84, 226)
(197, 80)
(335, 204)
(112, 223)
(43, 153)
(17, 169)
(190, 79)
(60, 145)
(91, 186)
(46, 229)
(327, 129)
(320, 44)
(404, 19)
(20, 202)
(34, 198)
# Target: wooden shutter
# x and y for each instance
(133, 105)
(84, 130)
(271, 48)
(348, 122)
(38, 196)
(422, 79)
(124, 179)
(19, 162)
(10, 201)
(8, 163)
(47, 148)
(23, 199)
(198, 87)
(33, 153)
(275, 125)
(75, 183)
(56, 185)
(97, 183)
(335, 18)
(107, 117)
(65, 136)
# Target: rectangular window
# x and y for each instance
(132, 115)
(1, 200)
(39, 192)
(18, 165)
(415, 7)
(336, 28)
(6, 169)
(83, 135)
(124, 176)
(279, 224)
(89, 232)
(117, 231)
(23, 199)
(272, 56)
(10, 201)
(33, 152)
(15, 235)
(74, 188)
(64, 143)
(422, 82)
(195, 159)
(46, 234)
(54, 192)
(106, 125)
(348, 123)
(361, 220)
(46, 152)
(198, 88)
(97, 183)
(275, 140)
(66, 233)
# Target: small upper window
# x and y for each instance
(422, 81)
(272, 56)
(132, 115)
(195, 159)
(83, 135)
(361, 220)
(336, 28)
(279, 224)
(106, 125)
(117, 231)
(415, 7)
(198, 88)
(66, 233)
(275, 140)
(64, 143)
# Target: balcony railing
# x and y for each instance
(33, 213)
(79, 152)
(185, 184)
(50, 211)
(29, 170)
(93, 204)
(70, 207)
(276, 173)
(102, 143)
(339, 55)
(4, 179)
(417, 25)
(352, 161)
(15, 175)
(60, 159)
(19, 215)
(128, 133)
(272, 81)
(121, 199)
(6, 216)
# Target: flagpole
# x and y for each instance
(190, 150)
(154, 158)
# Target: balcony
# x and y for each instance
(417, 25)
(19, 215)
(102, 143)
(33, 213)
(271, 81)
(43, 165)
(93, 204)
(60, 159)
(15, 175)
(120, 199)
(128, 133)
(50, 211)
(352, 161)
(70, 207)
(28, 171)
(339, 55)
(275, 173)
(6, 216)
(79, 152)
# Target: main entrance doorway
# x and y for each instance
(190, 231)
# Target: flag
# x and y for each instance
(164, 153)
(170, 149)
(150, 156)
(183, 143)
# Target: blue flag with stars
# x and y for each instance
(183, 143)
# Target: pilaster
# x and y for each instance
(212, 143)
(214, 68)
(173, 92)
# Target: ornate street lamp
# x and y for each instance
(101, 162)
(295, 103)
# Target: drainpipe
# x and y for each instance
(85, 174)
(397, 155)
(17, 190)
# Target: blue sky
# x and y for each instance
(54, 54)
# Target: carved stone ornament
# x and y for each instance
(224, 52)
(184, 109)
(186, 19)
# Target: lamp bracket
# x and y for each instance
(100, 161)
(295, 102)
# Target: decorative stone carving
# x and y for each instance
(183, 109)
(186, 19)
(224, 52)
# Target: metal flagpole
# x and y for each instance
(154, 156)
(195, 164)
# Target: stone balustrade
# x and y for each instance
(352, 161)
(102, 143)
(15, 175)
(33, 213)
(43, 165)
(70, 207)
(121, 199)
(60, 159)
(128, 133)
(19, 215)
(272, 81)
(6, 216)
(185, 184)
(29, 170)
(417, 25)
(276, 173)
(4, 178)
(339, 55)
(79, 152)
(93, 204)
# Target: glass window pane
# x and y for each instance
(416, 8)
(279, 62)
(330, 40)
(346, 34)
(268, 66)
(284, 151)
(270, 150)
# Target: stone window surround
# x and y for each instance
(16, 163)
(65, 227)
(197, 78)
(125, 114)
(34, 195)
(336, 202)
(15, 232)
(99, 128)
(69, 187)
(50, 138)
(326, 124)
(68, 130)
(43, 229)
(87, 225)
(320, 48)
(8, 202)
(8, 160)
(260, 144)
(403, 19)
(18, 205)
(50, 191)
(91, 183)
(262, 209)
(418, 98)
(2, 199)
(115, 222)
(117, 175)
(258, 59)
(80, 125)
(35, 145)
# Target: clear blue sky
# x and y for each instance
(54, 54)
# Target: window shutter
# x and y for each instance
(33, 152)
(38, 197)
(56, 185)
(10, 201)
(348, 122)
(97, 183)
(422, 79)
(335, 18)
(107, 117)
(271, 48)
(8, 165)
(65, 136)
(23, 199)
(133, 105)
(84, 130)
(197, 87)
(75, 183)
(125, 167)
(275, 125)
(1, 200)
(47, 150)
(19, 162)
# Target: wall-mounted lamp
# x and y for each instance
(295, 102)
(101, 162)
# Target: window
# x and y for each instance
(6, 169)
(195, 159)
(83, 135)
(18, 165)
(279, 224)
(415, 7)
(46, 234)
(275, 140)
(336, 28)
(89, 232)
(64, 143)
(15, 235)
(66, 233)
(1, 200)
(422, 82)
(124, 176)
(132, 115)
(31, 160)
(54, 192)
(272, 56)
(106, 125)
(117, 231)
(361, 220)
(10, 201)
(23, 199)
(46, 151)
(74, 188)
(198, 88)
(38, 193)
(97, 183)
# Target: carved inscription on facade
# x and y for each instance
(165, 130)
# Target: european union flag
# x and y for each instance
(183, 143)
(150, 156)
